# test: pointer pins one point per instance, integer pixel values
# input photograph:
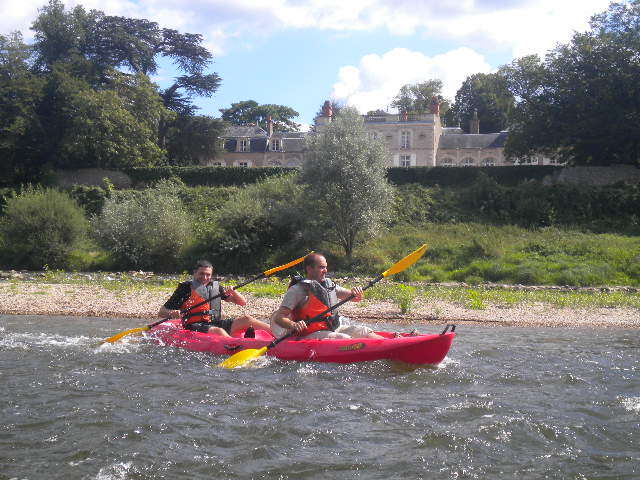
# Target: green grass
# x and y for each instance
(476, 254)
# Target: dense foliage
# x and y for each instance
(40, 227)
(581, 103)
(486, 94)
(81, 96)
(144, 229)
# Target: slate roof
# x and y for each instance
(467, 140)
(244, 131)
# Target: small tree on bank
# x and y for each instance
(348, 196)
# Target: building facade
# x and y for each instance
(412, 139)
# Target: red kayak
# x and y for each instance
(416, 349)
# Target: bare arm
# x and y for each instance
(234, 296)
(167, 313)
(357, 293)
(282, 317)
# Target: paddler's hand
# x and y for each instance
(357, 293)
(175, 314)
(298, 327)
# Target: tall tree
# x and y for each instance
(489, 96)
(419, 97)
(92, 45)
(250, 111)
(582, 104)
(21, 92)
(345, 172)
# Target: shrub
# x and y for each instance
(256, 227)
(89, 197)
(148, 229)
(41, 227)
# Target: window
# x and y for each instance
(245, 145)
(448, 162)
(275, 145)
(405, 160)
(405, 139)
(243, 164)
(489, 162)
(275, 163)
(467, 162)
(216, 164)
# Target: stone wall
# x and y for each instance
(92, 176)
(595, 175)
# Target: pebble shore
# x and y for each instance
(41, 298)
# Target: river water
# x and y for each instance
(506, 403)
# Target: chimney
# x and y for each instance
(435, 105)
(474, 124)
(269, 126)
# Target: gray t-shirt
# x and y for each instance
(297, 296)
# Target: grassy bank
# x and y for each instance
(476, 253)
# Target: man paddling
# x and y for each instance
(207, 318)
(309, 298)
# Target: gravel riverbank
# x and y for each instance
(40, 298)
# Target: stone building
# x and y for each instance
(252, 146)
(412, 139)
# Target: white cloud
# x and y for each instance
(377, 79)
(520, 26)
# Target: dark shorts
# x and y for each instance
(204, 327)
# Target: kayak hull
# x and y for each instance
(428, 349)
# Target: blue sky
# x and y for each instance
(360, 52)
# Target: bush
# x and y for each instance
(147, 229)
(41, 227)
(257, 227)
(89, 197)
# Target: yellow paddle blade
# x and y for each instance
(406, 262)
(242, 358)
(286, 265)
(118, 336)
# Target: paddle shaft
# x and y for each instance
(320, 316)
(213, 297)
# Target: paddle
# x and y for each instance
(265, 274)
(246, 356)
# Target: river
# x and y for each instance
(506, 403)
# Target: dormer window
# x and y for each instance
(245, 145)
(275, 145)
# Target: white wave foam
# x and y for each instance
(631, 403)
(26, 341)
(117, 471)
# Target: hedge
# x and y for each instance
(449, 176)
(201, 175)
(427, 176)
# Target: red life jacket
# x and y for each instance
(204, 312)
(321, 297)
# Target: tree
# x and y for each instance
(94, 47)
(192, 139)
(489, 96)
(108, 128)
(249, 111)
(581, 103)
(345, 173)
(419, 97)
(20, 129)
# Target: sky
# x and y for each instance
(300, 53)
